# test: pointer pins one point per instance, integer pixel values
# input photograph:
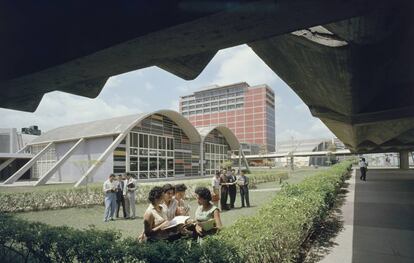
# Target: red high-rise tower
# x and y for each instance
(248, 111)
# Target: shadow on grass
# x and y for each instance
(320, 242)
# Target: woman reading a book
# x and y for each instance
(170, 205)
(207, 215)
(155, 219)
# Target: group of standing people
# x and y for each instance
(167, 204)
(224, 185)
(119, 191)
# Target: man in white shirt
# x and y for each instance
(129, 191)
(109, 189)
(363, 165)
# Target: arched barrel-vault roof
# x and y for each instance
(226, 132)
(114, 126)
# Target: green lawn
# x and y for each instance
(83, 217)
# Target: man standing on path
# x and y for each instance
(124, 194)
(120, 200)
(224, 190)
(363, 165)
(243, 182)
(232, 187)
(131, 188)
(109, 189)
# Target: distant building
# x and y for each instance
(249, 111)
(308, 145)
(157, 145)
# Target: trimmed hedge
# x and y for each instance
(275, 234)
(93, 195)
(22, 241)
(279, 229)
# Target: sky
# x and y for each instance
(152, 88)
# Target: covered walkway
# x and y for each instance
(378, 219)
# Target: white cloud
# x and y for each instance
(242, 64)
(148, 86)
(58, 109)
(174, 105)
(113, 82)
(301, 108)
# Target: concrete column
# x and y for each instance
(404, 164)
(240, 155)
(202, 158)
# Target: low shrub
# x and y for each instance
(275, 234)
(22, 241)
(280, 227)
(92, 195)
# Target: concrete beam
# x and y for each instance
(6, 163)
(27, 166)
(404, 163)
(42, 180)
(9, 161)
(101, 159)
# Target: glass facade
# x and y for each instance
(151, 156)
(216, 151)
(158, 148)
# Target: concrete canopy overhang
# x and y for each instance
(356, 72)
(226, 132)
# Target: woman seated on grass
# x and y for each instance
(207, 215)
(170, 205)
(155, 218)
(182, 206)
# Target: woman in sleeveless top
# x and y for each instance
(170, 205)
(155, 219)
(207, 215)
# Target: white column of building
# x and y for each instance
(404, 161)
(202, 158)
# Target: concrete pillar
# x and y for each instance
(202, 158)
(404, 164)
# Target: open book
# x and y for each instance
(178, 220)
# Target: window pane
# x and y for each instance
(153, 164)
(133, 164)
(143, 175)
(162, 164)
(170, 164)
(162, 143)
(145, 139)
(153, 174)
(143, 164)
(141, 140)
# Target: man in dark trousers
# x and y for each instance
(231, 178)
(120, 196)
(243, 182)
(224, 190)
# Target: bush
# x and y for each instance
(93, 195)
(275, 234)
(279, 229)
(22, 241)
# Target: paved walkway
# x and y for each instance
(378, 218)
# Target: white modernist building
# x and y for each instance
(154, 145)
